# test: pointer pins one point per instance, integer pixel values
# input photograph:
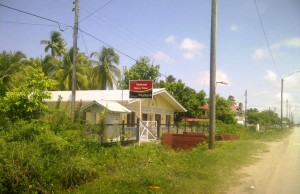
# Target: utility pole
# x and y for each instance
(281, 104)
(287, 109)
(75, 37)
(212, 92)
(246, 108)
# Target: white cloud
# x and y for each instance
(161, 56)
(192, 48)
(290, 43)
(271, 77)
(170, 39)
(204, 78)
(234, 28)
(260, 53)
(191, 44)
(291, 83)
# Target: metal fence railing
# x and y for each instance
(121, 133)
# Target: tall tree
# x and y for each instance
(142, 70)
(231, 100)
(64, 73)
(105, 71)
(10, 63)
(224, 112)
(27, 101)
(56, 44)
(186, 96)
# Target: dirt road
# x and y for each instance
(277, 172)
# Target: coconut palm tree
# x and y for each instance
(64, 73)
(56, 44)
(50, 65)
(10, 64)
(105, 73)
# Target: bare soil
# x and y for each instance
(276, 172)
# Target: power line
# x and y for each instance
(96, 10)
(25, 23)
(84, 44)
(119, 51)
(59, 23)
(41, 17)
(263, 29)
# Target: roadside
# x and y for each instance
(277, 171)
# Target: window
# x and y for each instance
(131, 119)
(168, 119)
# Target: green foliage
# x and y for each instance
(35, 158)
(56, 44)
(188, 97)
(141, 70)
(224, 128)
(224, 112)
(27, 100)
(105, 72)
(266, 119)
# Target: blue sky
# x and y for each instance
(176, 35)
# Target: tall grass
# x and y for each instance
(54, 155)
(157, 169)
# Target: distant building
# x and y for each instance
(239, 117)
(160, 108)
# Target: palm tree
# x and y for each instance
(56, 44)
(64, 73)
(10, 64)
(105, 73)
(50, 65)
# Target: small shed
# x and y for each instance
(93, 110)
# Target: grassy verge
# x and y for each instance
(157, 169)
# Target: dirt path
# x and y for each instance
(277, 172)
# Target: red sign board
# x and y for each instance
(140, 88)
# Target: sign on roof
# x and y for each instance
(140, 88)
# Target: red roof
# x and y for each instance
(196, 119)
(205, 107)
(233, 107)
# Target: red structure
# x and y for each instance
(189, 140)
(183, 141)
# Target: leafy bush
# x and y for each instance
(36, 157)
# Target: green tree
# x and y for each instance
(231, 100)
(253, 116)
(186, 96)
(142, 70)
(105, 73)
(64, 72)
(50, 65)
(268, 117)
(223, 111)
(10, 64)
(56, 44)
(27, 101)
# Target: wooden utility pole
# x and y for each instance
(212, 92)
(246, 108)
(281, 105)
(75, 37)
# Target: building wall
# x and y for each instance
(152, 108)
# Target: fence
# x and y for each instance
(121, 133)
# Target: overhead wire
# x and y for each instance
(84, 43)
(96, 11)
(26, 23)
(34, 15)
(266, 38)
(133, 38)
(41, 17)
(69, 26)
